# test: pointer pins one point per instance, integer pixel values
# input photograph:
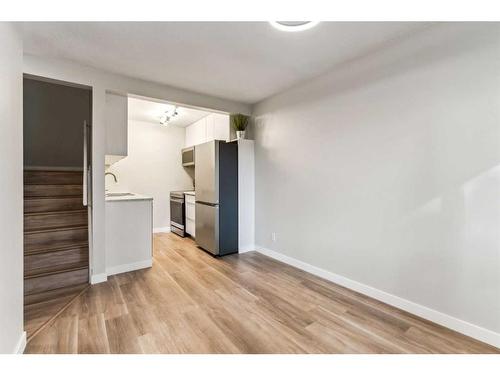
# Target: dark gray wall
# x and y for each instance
(53, 123)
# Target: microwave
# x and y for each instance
(188, 156)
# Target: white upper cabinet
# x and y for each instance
(196, 133)
(116, 127)
(209, 122)
(209, 128)
(221, 126)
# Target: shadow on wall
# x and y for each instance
(461, 261)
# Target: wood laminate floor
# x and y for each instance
(190, 302)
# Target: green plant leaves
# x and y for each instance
(238, 121)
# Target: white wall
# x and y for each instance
(153, 166)
(246, 195)
(387, 171)
(101, 81)
(12, 338)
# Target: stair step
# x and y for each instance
(55, 249)
(50, 204)
(49, 282)
(37, 300)
(45, 239)
(57, 229)
(53, 190)
(54, 270)
(36, 264)
(34, 177)
(39, 315)
(54, 219)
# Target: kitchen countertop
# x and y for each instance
(128, 197)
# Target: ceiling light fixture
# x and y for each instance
(292, 26)
(168, 116)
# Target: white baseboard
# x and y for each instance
(103, 277)
(476, 332)
(246, 248)
(161, 230)
(21, 344)
(129, 267)
(99, 278)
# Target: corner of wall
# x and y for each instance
(98, 278)
(21, 344)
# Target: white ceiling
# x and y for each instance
(242, 61)
(150, 111)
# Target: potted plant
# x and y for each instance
(239, 123)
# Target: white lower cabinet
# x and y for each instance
(190, 211)
(129, 235)
(190, 215)
(190, 227)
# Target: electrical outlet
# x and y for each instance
(273, 236)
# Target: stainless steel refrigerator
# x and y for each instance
(216, 211)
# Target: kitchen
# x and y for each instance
(175, 171)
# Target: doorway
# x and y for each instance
(57, 179)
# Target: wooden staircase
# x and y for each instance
(56, 262)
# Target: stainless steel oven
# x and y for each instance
(177, 213)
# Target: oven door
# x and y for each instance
(177, 216)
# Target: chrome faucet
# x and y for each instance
(112, 174)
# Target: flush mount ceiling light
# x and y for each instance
(292, 26)
(168, 116)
